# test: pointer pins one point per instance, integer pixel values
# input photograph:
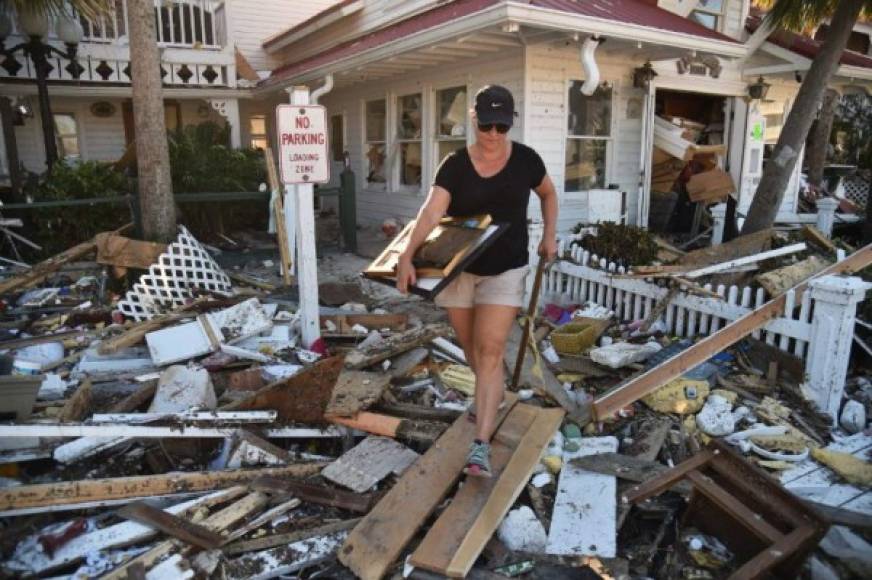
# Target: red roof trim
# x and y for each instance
(806, 46)
(635, 12)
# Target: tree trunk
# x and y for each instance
(770, 191)
(152, 154)
(819, 139)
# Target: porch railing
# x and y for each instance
(817, 325)
(179, 23)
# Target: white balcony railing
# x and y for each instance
(178, 23)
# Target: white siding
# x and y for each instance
(375, 14)
(375, 206)
(251, 22)
(100, 138)
(550, 69)
(732, 23)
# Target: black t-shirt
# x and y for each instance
(504, 196)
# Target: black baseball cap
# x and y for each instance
(495, 104)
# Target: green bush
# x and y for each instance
(202, 162)
(56, 229)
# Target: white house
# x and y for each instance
(403, 74)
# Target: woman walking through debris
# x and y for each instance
(492, 176)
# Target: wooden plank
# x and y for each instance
(77, 406)
(268, 542)
(218, 522)
(744, 260)
(374, 423)
(759, 565)
(666, 480)
(317, 494)
(438, 547)
(69, 492)
(284, 560)
(752, 521)
(370, 461)
(540, 378)
(137, 399)
(375, 544)
(172, 525)
(584, 517)
(506, 491)
(649, 381)
(355, 391)
(629, 468)
(149, 432)
(396, 344)
(125, 533)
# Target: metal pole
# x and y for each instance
(39, 53)
(528, 323)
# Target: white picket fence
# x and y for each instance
(581, 277)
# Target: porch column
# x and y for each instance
(826, 215)
(229, 109)
(832, 334)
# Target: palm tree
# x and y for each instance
(156, 202)
(796, 15)
(157, 205)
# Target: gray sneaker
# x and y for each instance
(478, 460)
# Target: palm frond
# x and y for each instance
(90, 9)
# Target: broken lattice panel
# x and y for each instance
(169, 283)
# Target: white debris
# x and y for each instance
(272, 373)
(621, 354)
(542, 479)
(52, 388)
(525, 394)
(359, 329)
(522, 531)
(182, 388)
(593, 310)
(716, 418)
(38, 356)
(353, 307)
(372, 339)
(548, 352)
(853, 419)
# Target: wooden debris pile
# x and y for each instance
(207, 442)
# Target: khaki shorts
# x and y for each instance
(467, 290)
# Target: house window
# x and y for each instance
(708, 13)
(67, 135)
(589, 121)
(409, 124)
(450, 121)
(376, 131)
(257, 138)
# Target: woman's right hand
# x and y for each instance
(405, 274)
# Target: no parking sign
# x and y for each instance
(302, 138)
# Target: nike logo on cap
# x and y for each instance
(496, 105)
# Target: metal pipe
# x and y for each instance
(588, 63)
(323, 89)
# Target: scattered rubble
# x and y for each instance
(176, 430)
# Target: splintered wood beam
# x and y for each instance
(71, 492)
(647, 382)
(268, 542)
(319, 494)
(46, 268)
(172, 525)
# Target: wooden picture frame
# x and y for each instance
(385, 264)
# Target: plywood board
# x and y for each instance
(376, 543)
(584, 518)
(508, 488)
(369, 462)
(440, 544)
(355, 391)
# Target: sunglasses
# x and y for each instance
(501, 128)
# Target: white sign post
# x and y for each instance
(304, 161)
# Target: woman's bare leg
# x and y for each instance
(490, 332)
(461, 320)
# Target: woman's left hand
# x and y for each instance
(548, 248)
